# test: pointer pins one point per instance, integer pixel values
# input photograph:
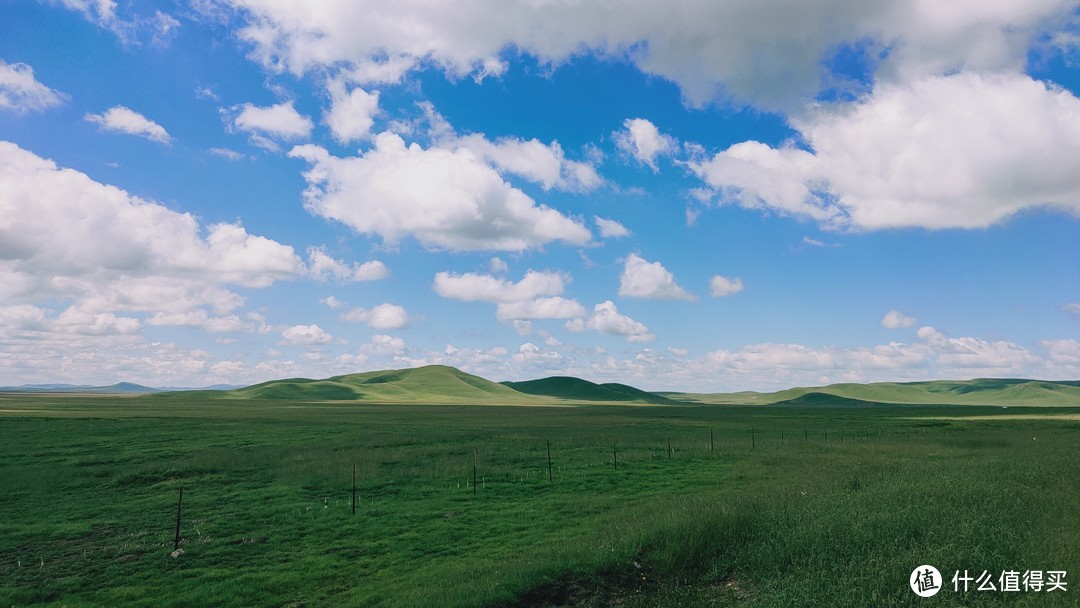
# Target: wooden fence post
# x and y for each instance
(549, 459)
(179, 506)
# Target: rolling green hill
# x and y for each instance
(442, 384)
(429, 384)
(576, 389)
(981, 391)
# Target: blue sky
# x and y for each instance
(702, 196)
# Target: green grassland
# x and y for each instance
(709, 506)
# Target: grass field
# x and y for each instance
(792, 506)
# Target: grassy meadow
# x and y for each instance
(783, 506)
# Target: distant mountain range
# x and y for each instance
(980, 391)
(120, 388)
(442, 384)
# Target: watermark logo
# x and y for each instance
(925, 581)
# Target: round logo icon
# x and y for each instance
(926, 581)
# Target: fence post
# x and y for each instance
(549, 459)
(179, 506)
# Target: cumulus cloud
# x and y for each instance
(969, 352)
(535, 296)
(895, 320)
(118, 252)
(72, 292)
(119, 119)
(304, 335)
(544, 164)
(1063, 352)
(382, 316)
(1072, 309)
(497, 265)
(351, 113)
(532, 160)
(964, 150)
(643, 279)
(610, 228)
(540, 308)
(446, 200)
(720, 286)
(331, 302)
(607, 319)
(21, 93)
(264, 125)
(322, 267)
(471, 287)
(766, 53)
(641, 140)
(382, 344)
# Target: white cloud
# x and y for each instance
(1063, 352)
(532, 160)
(332, 302)
(379, 70)
(895, 320)
(610, 228)
(119, 119)
(975, 353)
(161, 27)
(280, 121)
(607, 319)
(382, 344)
(720, 286)
(768, 53)
(382, 316)
(643, 279)
(226, 153)
(544, 164)
(540, 308)
(103, 258)
(20, 92)
(678, 352)
(446, 200)
(812, 242)
(352, 113)
(470, 287)
(322, 267)
(116, 252)
(644, 142)
(200, 318)
(1072, 309)
(497, 266)
(304, 335)
(958, 151)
